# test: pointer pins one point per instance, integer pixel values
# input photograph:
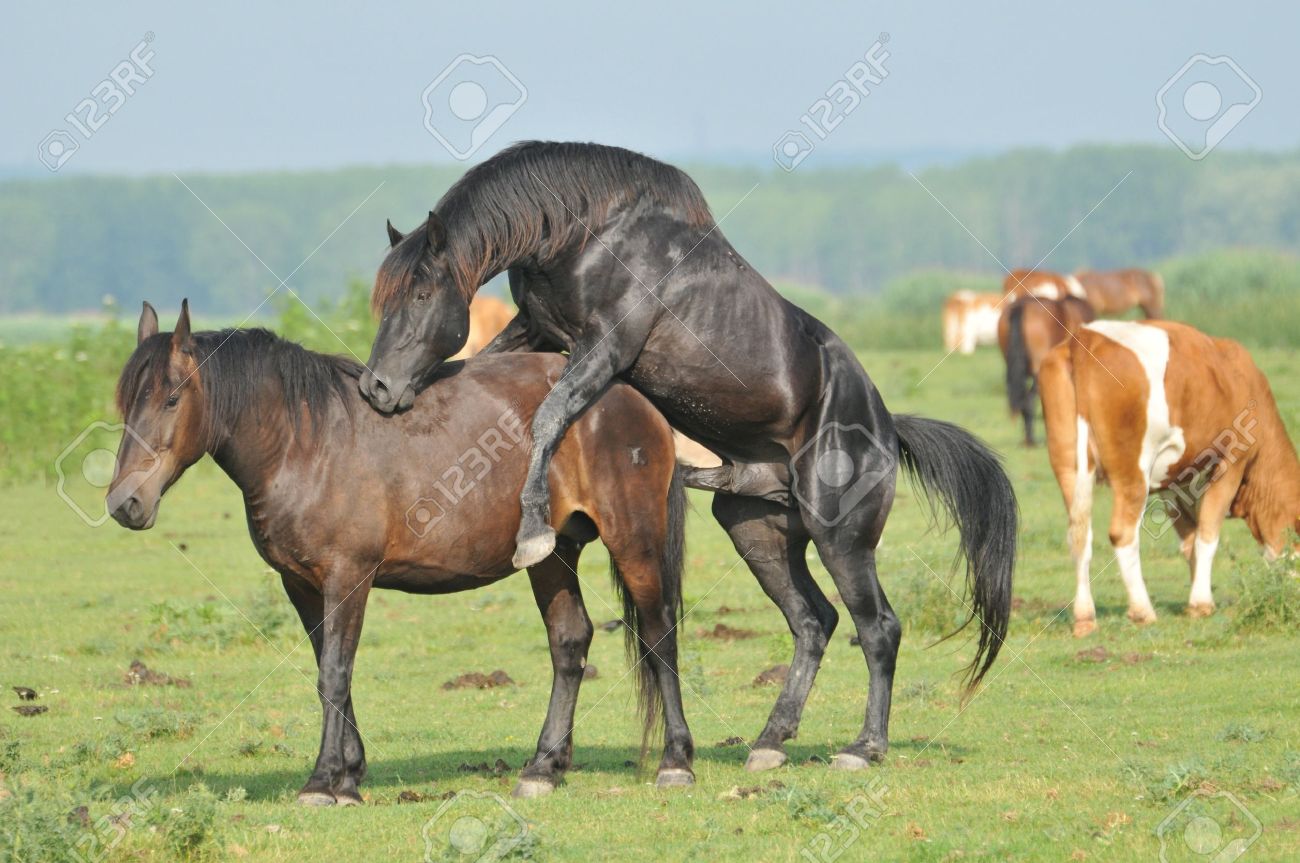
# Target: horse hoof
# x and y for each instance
(344, 798)
(316, 798)
(1142, 616)
(1200, 609)
(764, 759)
(1084, 628)
(849, 761)
(532, 788)
(534, 550)
(674, 777)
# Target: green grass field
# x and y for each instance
(1073, 750)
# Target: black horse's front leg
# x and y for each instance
(593, 363)
(569, 631)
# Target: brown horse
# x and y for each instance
(1043, 284)
(488, 316)
(1163, 408)
(341, 499)
(1028, 329)
(1115, 292)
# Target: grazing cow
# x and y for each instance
(1115, 292)
(969, 320)
(488, 316)
(1162, 407)
(1027, 330)
(1042, 284)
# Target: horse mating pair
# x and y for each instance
(648, 317)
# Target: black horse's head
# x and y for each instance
(424, 316)
(161, 400)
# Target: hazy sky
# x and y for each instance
(281, 85)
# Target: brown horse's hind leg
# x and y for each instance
(772, 540)
(333, 622)
(569, 631)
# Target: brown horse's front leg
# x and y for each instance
(569, 631)
(341, 762)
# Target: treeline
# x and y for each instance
(65, 242)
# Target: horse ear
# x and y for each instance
(394, 235)
(181, 335)
(437, 232)
(148, 325)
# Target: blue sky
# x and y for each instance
(272, 85)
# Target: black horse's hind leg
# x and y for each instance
(844, 481)
(569, 631)
(772, 539)
(602, 354)
(334, 623)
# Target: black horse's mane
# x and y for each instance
(535, 198)
(233, 367)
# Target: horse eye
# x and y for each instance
(423, 296)
(172, 400)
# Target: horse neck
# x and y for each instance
(1269, 500)
(252, 449)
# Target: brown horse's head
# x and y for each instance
(161, 400)
(424, 315)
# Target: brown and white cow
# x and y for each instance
(1043, 284)
(1159, 406)
(970, 320)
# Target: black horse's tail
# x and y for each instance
(1017, 360)
(956, 471)
(671, 563)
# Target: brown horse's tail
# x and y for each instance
(1018, 367)
(671, 563)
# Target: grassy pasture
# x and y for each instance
(1073, 749)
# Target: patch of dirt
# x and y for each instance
(409, 796)
(589, 672)
(1092, 654)
(30, 710)
(750, 792)
(496, 769)
(140, 674)
(1137, 658)
(726, 609)
(774, 675)
(732, 741)
(855, 641)
(722, 632)
(478, 680)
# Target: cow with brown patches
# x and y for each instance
(1158, 406)
(1043, 284)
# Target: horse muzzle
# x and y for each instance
(132, 513)
(386, 395)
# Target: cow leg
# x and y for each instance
(1125, 532)
(1215, 505)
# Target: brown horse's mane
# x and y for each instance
(233, 366)
(535, 198)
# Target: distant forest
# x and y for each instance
(66, 242)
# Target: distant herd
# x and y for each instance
(1181, 424)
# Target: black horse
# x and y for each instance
(615, 259)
